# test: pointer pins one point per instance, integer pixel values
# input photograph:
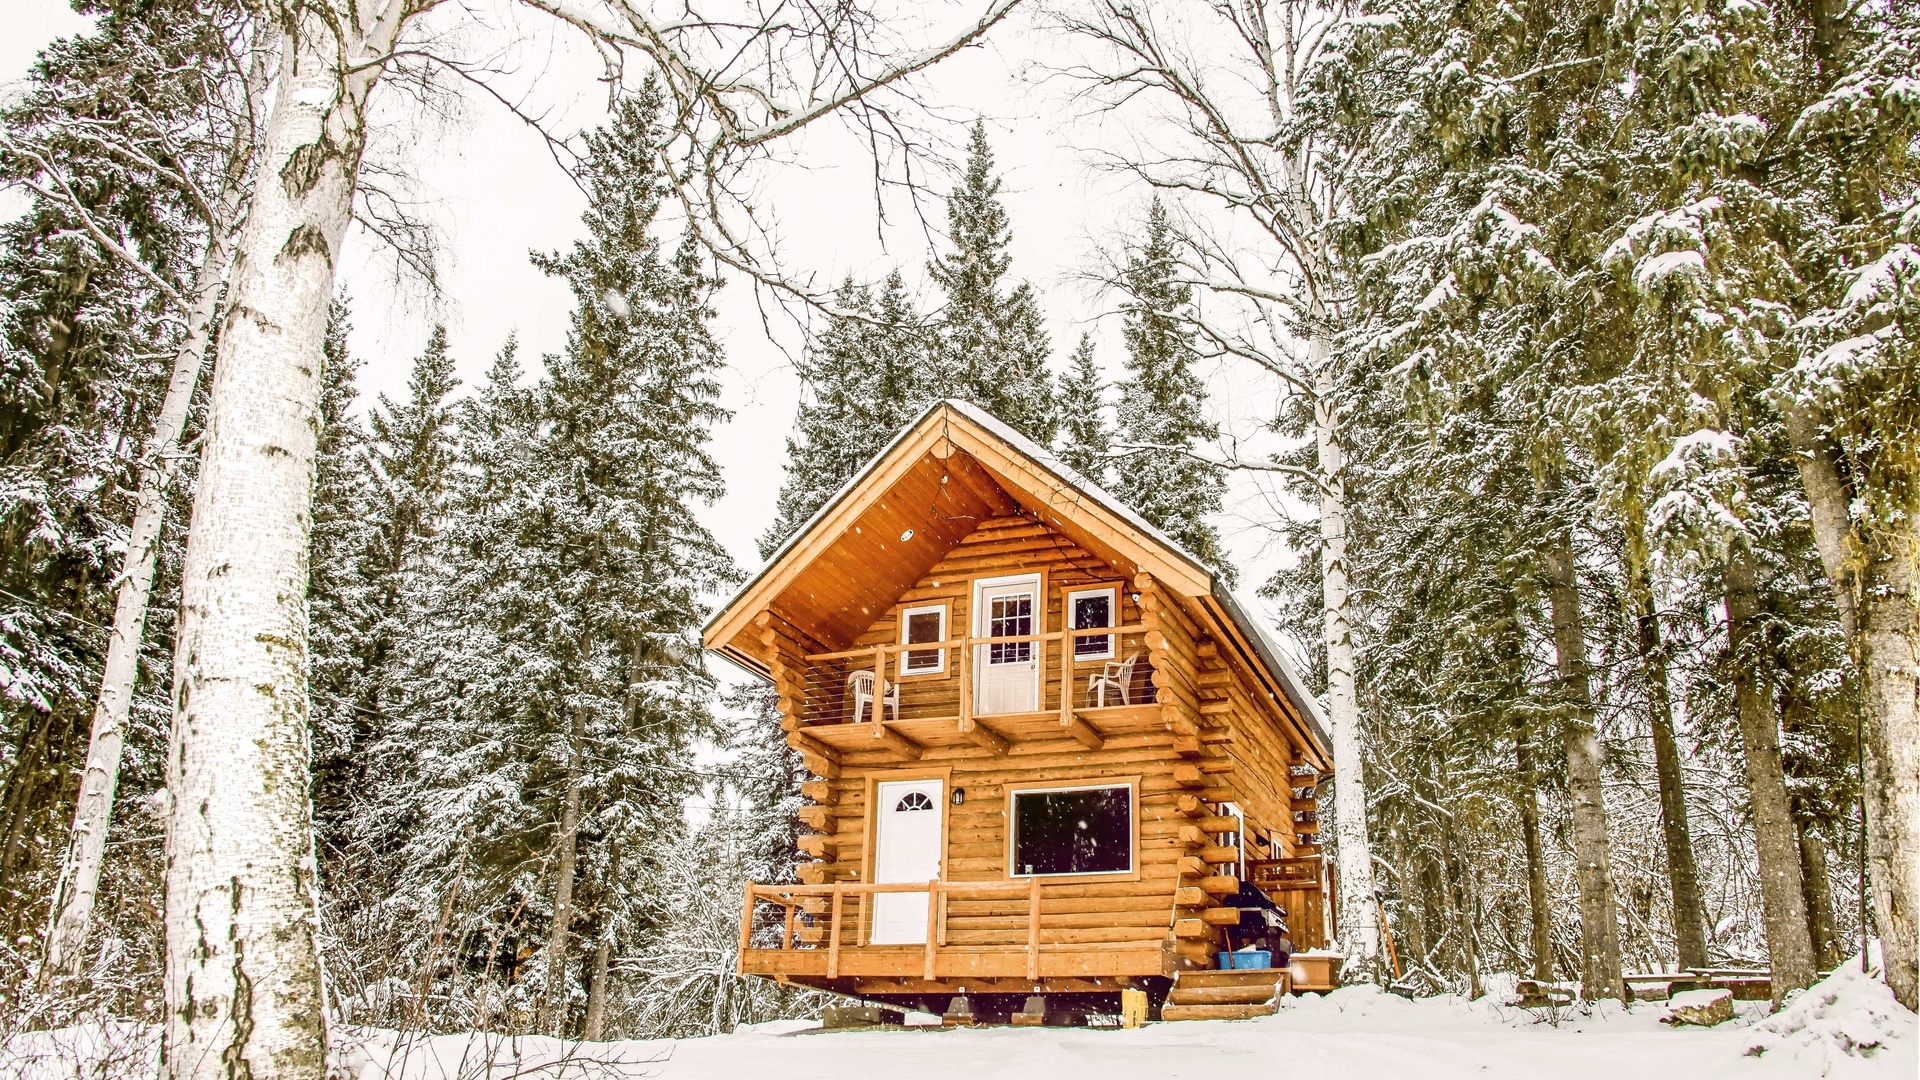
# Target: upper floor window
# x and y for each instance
(923, 626)
(1092, 609)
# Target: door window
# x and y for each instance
(1010, 616)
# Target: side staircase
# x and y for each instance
(1225, 995)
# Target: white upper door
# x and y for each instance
(1006, 676)
(906, 848)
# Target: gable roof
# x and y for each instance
(957, 436)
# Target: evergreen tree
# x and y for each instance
(991, 337)
(559, 693)
(1086, 442)
(866, 377)
(380, 497)
(1161, 403)
(335, 589)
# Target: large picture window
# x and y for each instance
(1092, 609)
(1085, 830)
(923, 626)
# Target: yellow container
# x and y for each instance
(1133, 1008)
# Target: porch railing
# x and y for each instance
(838, 917)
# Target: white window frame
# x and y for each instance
(1113, 623)
(940, 663)
(1132, 787)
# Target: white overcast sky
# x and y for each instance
(497, 194)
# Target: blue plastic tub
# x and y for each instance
(1247, 961)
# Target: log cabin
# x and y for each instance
(1048, 747)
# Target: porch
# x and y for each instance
(1023, 930)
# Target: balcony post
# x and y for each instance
(879, 702)
(966, 684)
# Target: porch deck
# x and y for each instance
(1020, 929)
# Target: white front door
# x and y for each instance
(906, 848)
(1007, 676)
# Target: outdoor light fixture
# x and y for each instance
(906, 536)
(959, 795)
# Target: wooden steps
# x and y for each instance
(1225, 995)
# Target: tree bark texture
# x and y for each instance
(243, 986)
(1599, 918)
(596, 1022)
(1817, 883)
(1539, 901)
(1877, 590)
(1683, 872)
(1359, 918)
(93, 811)
(1789, 949)
(566, 868)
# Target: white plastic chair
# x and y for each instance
(860, 685)
(1114, 675)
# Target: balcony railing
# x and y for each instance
(936, 680)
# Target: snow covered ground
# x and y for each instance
(1847, 1027)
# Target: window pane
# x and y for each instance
(1073, 832)
(924, 626)
(1089, 612)
(1010, 616)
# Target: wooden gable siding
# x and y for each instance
(839, 585)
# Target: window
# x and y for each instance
(1091, 609)
(1073, 831)
(913, 800)
(923, 626)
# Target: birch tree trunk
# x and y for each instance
(1599, 918)
(1875, 591)
(1782, 896)
(243, 987)
(1539, 900)
(1683, 872)
(564, 873)
(93, 811)
(1359, 925)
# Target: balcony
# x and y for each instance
(938, 693)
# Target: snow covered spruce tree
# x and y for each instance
(1162, 402)
(380, 496)
(990, 337)
(1086, 435)
(621, 462)
(555, 700)
(865, 377)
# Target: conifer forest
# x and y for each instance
(1572, 346)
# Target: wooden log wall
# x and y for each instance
(1215, 746)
